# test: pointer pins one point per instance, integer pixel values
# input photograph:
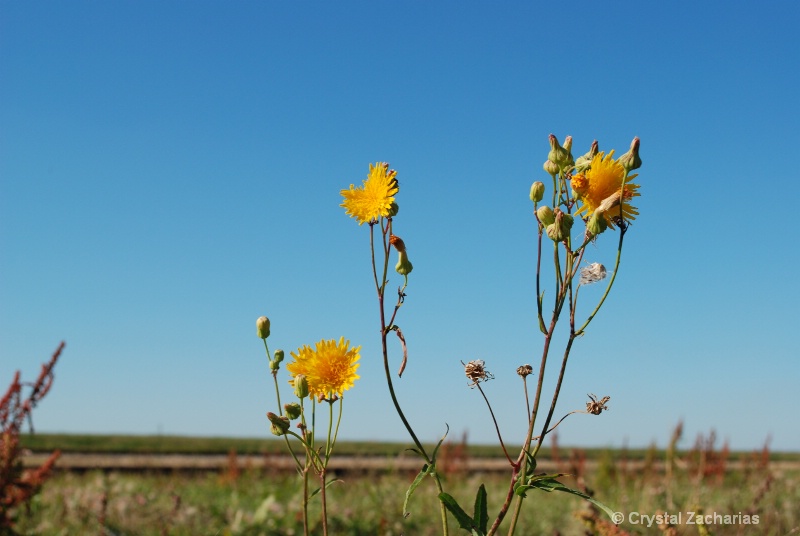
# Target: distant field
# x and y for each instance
(165, 444)
(235, 500)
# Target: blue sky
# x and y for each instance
(171, 171)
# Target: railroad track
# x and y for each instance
(82, 462)
(166, 463)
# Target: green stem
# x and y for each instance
(324, 502)
(381, 294)
(496, 427)
(555, 395)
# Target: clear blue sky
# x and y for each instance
(170, 171)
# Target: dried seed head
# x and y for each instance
(596, 407)
(525, 370)
(476, 372)
(593, 273)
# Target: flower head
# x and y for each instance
(375, 198)
(476, 372)
(329, 369)
(601, 182)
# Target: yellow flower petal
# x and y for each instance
(374, 199)
(330, 368)
(602, 181)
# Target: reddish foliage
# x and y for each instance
(17, 486)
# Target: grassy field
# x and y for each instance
(258, 502)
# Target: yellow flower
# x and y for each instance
(330, 368)
(599, 187)
(375, 198)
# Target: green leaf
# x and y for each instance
(439, 444)
(530, 464)
(426, 469)
(550, 484)
(464, 521)
(327, 485)
(521, 488)
(481, 511)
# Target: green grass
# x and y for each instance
(260, 503)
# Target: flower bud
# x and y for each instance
(558, 155)
(394, 208)
(570, 162)
(292, 410)
(280, 425)
(262, 327)
(631, 160)
(274, 365)
(278, 356)
(597, 223)
(585, 161)
(545, 215)
(551, 168)
(537, 191)
(403, 266)
(560, 228)
(300, 384)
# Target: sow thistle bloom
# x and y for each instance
(598, 189)
(374, 199)
(329, 369)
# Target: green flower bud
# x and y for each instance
(585, 162)
(560, 228)
(292, 410)
(631, 160)
(558, 155)
(545, 215)
(403, 266)
(280, 425)
(278, 356)
(551, 168)
(597, 223)
(274, 365)
(394, 208)
(537, 191)
(300, 386)
(262, 327)
(570, 162)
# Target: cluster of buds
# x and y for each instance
(560, 156)
(557, 224)
(279, 424)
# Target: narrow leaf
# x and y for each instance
(481, 511)
(439, 444)
(554, 485)
(417, 481)
(464, 521)
(327, 485)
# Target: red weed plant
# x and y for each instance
(17, 485)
